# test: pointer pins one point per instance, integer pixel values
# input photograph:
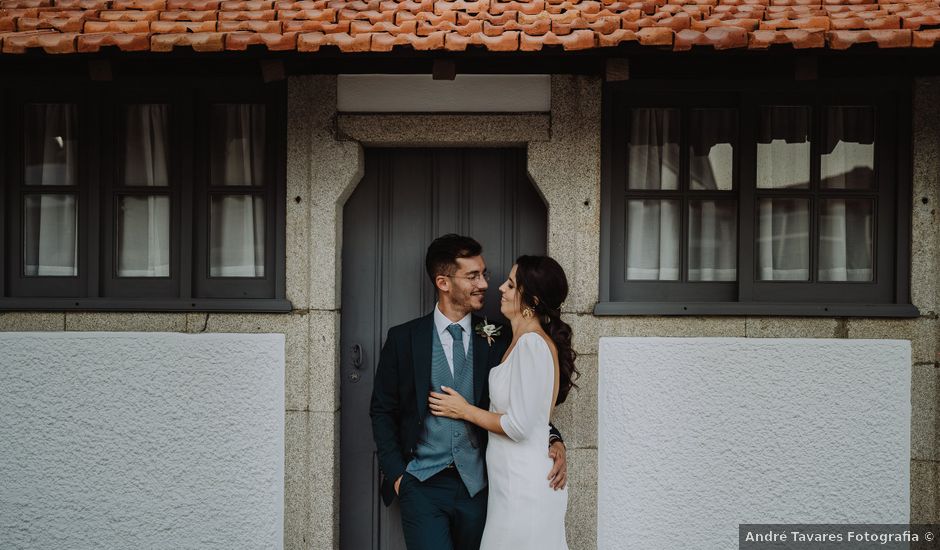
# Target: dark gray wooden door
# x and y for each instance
(408, 197)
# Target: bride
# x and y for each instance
(536, 373)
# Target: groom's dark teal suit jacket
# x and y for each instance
(400, 392)
(401, 386)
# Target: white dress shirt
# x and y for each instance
(441, 322)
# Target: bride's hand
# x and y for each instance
(450, 403)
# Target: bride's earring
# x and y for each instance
(526, 312)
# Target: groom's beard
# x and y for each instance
(469, 301)
(481, 300)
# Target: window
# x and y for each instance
(144, 198)
(750, 201)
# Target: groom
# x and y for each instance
(435, 464)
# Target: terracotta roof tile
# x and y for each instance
(615, 38)
(310, 42)
(93, 42)
(273, 41)
(577, 40)
(539, 26)
(198, 41)
(720, 38)
(22, 4)
(67, 26)
(208, 15)
(433, 18)
(818, 22)
(138, 5)
(921, 21)
(174, 27)
(531, 7)
(194, 5)
(316, 26)
(798, 38)
(117, 27)
(705, 24)
(655, 36)
(84, 4)
(61, 24)
(506, 42)
(246, 5)
(426, 29)
(897, 38)
(925, 39)
(129, 15)
(349, 43)
(252, 26)
(858, 23)
(360, 27)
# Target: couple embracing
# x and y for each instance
(460, 408)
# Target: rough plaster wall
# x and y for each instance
(697, 435)
(131, 440)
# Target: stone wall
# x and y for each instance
(325, 162)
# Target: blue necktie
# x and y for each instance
(459, 355)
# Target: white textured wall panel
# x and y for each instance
(420, 93)
(697, 435)
(141, 440)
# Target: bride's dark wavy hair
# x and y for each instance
(542, 286)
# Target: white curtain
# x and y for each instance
(712, 230)
(713, 133)
(653, 225)
(783, 147)
(653, 240)
(783, 239)
(236, 231)
(237, 236)
(848, 159)
(654, 149)
(144, 221)
(51, 144)
(845, 225)
(845, 240)
(713, 240)
(241, 137)
(783, 162)
(50, 238)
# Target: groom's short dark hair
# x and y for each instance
(442, 255)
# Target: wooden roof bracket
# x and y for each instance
(806, 67)
(617, 69)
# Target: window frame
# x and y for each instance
(831, 298)
(101, 165)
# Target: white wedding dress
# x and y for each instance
(523, 511)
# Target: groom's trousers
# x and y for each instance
(439, 513)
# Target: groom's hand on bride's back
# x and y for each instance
(398, 482)
(558, 476)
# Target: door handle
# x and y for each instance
(354, 376)
(357, 356)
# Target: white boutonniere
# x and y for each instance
(488, 330)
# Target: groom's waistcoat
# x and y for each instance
(443, 441)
